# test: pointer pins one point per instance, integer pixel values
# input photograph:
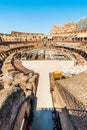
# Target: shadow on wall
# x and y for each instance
(33, 108)
(1, 63)
(79, 118)
(23, 115)
(43, 118)
(77, 112)
(73, 119)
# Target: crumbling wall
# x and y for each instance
(76, 109)
(11, 100)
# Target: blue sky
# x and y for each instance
(39, 15)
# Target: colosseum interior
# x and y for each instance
(30, 93)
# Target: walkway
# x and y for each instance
(42, 120)
(44, 67)
(42, 113)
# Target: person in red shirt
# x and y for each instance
(29, 127)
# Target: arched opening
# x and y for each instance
(26, 39)
(0, 39)
(78, 39)
(73, 39)
(85, 38)
(81, 39)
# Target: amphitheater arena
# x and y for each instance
(29, 95)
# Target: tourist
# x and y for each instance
(29, 127)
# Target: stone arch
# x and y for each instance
(85, 38)
(0, 39)
(73, 39)
(78, 38)
(81, 38)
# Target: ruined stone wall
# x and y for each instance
(71, 31)
(65, 28)
(20, 36)
(27, 36)
(13, 33)
(70, 101)
(14, 106)
(76, 109)
(11, 100)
